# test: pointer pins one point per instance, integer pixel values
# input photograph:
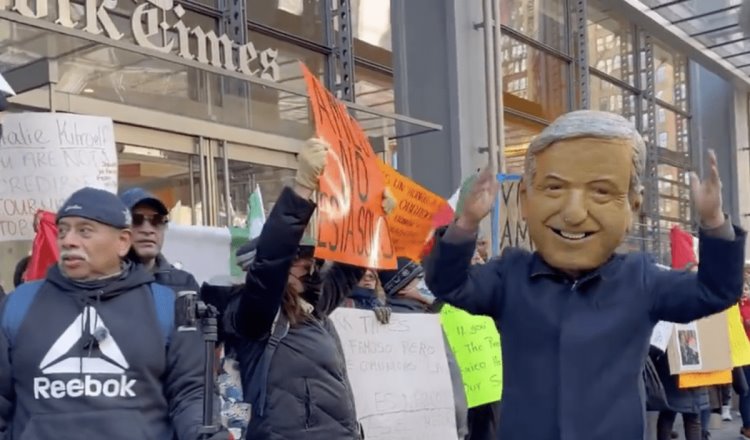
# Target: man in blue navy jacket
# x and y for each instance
(574, 317)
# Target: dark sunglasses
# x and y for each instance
(155, 220)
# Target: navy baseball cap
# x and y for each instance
(98, 205)
(137, 196)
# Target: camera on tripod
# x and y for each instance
(192, 314)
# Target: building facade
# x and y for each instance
(207, 96)
(562, 55)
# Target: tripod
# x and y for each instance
(189, 310)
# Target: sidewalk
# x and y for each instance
(727, 431)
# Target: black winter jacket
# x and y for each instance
(168, 275)
(308, 392)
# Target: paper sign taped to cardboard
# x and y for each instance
(701, 346)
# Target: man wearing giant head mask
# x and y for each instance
(575, 318)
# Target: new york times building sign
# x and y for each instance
(156, 25)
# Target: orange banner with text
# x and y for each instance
(352, 227)
(411, 223)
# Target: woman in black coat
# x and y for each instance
(291, 361)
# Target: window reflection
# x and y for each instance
(371, 22)
(670, 76)
(303, 18)
(243, 178)
(535, 83)
(166, 174)
(671, 130)
(610, 45)
(371, 28)
(519, 132)
(542, 20)
(607, 96)
(374, 89)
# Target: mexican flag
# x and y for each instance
(256, 216)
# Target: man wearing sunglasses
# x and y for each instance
(150, 218)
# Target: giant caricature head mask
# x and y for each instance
(582, 188)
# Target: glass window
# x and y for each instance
(670, 75)
(542, 20)
(534, 82)
(610, 44)
(671, 130)
(303, 18)
(518, 134)
(166, 174)
(374, 89)
(371, 23)
(611, 98)
(243, 178)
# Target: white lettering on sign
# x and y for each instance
(151, 19)
(44, 158)
(399, 375)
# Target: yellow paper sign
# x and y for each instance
(738, 338)
(476, 345)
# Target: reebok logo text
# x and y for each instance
(98, 369)
(88, 387)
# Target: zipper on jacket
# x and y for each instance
(308, 402)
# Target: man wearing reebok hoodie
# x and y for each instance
(86, 353)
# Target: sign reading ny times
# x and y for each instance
(156, 25)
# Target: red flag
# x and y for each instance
(683, 252)
(44, 252)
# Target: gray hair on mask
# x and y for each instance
(589, 124)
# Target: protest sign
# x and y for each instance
(44, 158)
(351, 226)
(201, 250)
(740, 348)
(411, 224)
(399, 375)
(476, 345)
(701, 346)
(513, 231)
(662, 334)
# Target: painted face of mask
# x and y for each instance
(578, 206)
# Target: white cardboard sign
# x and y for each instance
(44, 158)
(399, 375)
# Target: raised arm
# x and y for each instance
(477, 289)
(679, 296)
(685, 297)
(252, 312)
(338, 283)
